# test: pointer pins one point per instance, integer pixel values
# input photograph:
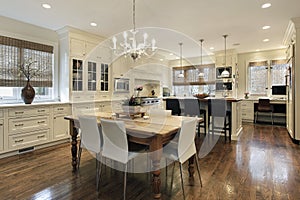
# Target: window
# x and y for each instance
(261, 76)
(13, 54)
(258, 78)
(278, 72)
(191, 83)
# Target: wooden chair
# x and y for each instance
(265, 107)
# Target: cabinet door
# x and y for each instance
(60, 127)
(104, 78)
(1, 134)
(92, 76)
(77, 48)
(77, 75)
(89, 47)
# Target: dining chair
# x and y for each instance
(185, 148)
(264, 106)
(218, 111)
(158, 112)
(191, 107)
(91, 140)
(115, 145)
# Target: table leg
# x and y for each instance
(191, 170)
(74, 148)
(156, 153)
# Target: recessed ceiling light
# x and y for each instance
(257, 50)
(211, 48)
(45, 5)
(266, 5)
(177, 57)
(266, 40)
(161, 59)
(266, 27)
(171, 54)
(93, 24)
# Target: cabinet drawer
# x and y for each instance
(247, 116)
(27, 124)
(61, 109)
(24, 112)
(1, 114)
(247, 104)
(27, 139)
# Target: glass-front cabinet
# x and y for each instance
(77, 75)
(104, 77)
(92, 76)
(89, 76)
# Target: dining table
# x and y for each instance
(153, 132)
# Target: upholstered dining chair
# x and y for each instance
(90, 139)
(185, 148)
(218, 111)
(264, 106)
(191, 107)
(115, 145)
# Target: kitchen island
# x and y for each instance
(233, 105)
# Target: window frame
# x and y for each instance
(269, 76)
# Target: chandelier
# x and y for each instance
(130, 46)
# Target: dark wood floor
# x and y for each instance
(263, 164)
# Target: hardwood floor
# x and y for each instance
(263, 164)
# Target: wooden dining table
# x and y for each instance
(154, 133)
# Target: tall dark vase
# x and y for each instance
(28, 93)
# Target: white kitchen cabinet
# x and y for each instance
(80, 48)
(80, 64)
(23, 140)
(247, 108)
(27, 126)
(60, 125)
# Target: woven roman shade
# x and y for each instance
(15, 52)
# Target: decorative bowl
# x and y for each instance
(201, 96)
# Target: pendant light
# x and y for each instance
(201, 74)
(181, 75)
(225, 73)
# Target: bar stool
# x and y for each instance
(218, 109)
(191, 108)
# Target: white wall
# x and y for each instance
(245, 58)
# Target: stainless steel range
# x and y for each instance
(147, 101)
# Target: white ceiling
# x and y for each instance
(242, 20)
